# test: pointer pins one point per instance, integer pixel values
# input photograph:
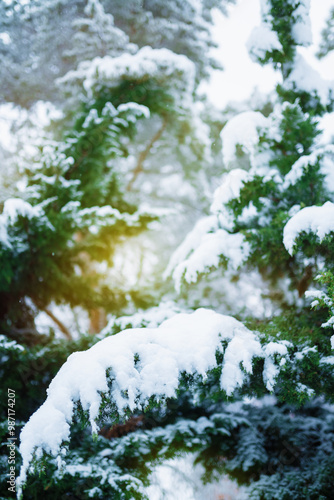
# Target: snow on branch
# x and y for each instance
(242, 130)
(162, 65)
(301, 30)
(318, 220)
(210, 240)
(322, 156)
(14, 208)
(213, 247)
(262, 40)
(137, 364)
(304, 78)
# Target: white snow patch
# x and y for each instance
(319, 220)
(304, 77)
(301, 30)
(327, 360)
(152, 318)
(271, 370)
(243, 130)
(14, 207)
(261, 41)
(232, 182)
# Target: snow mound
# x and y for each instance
(318, 220)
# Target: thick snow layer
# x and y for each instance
(243, 130)
(304, 78)
(141, 363)
(318, 220)
(261, 41)
(161, 65)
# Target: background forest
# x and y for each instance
(185, 251)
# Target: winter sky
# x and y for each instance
(241, 75)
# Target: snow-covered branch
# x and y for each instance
(137, 364)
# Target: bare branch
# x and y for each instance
(144, 154)
(60, 325)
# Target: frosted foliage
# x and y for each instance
(96, 34)
(301, 28)
(270, 369)
(210, 242)
(243, 130)
(304, 78)
(94, 8)
(212, 248)
(322, 297)
(161, 65)
(13, 209)
(203, 249)
(318, 220)
(261, 41)
(191, 242)
(142, 363)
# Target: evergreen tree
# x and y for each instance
(177, 383)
